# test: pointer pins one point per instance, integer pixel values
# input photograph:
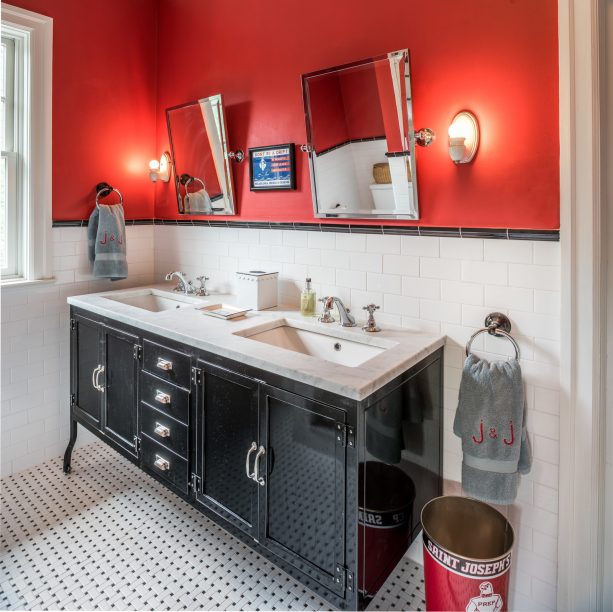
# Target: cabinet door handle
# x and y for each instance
(161, 430)
(97, 384)
(95, 373)
(256, 467)
(253, 447)
(161, 463)
(161, 397)
(164, 364)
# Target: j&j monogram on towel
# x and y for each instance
(111, 238)
(493, 434)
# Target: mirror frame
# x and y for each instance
(227, 165)
(412, 215)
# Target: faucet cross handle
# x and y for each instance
(325, 316)
(202, 289)
(371, 325)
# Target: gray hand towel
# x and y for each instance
(106, 239)
(490, 421)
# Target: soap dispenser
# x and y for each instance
(307, 300)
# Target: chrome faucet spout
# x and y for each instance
(183, 284)
(347, 320)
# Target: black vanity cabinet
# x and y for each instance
(104, 380)
(302, 492)
(227, 443)
(328, 488)
(272, 463)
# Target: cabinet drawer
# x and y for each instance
(166, 363)
(164, 430)
(164, 463)
(164, 396)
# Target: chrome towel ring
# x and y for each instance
(496, 324)
(104, 189)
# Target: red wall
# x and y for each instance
(498, 59)
(345, 107)
(104, 89)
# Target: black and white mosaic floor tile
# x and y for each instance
(109, 537)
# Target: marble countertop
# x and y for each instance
(403, 347)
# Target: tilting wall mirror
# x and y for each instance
(200, 156)
(361, 143)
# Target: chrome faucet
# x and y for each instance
(183, 285)
(347, 320)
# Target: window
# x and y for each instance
(25, 141)
(10, 213)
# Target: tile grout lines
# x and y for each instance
(110, 537)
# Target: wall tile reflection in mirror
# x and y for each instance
(202, 170)
(361, 145)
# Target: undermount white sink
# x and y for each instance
(154, 300)
(321, 344)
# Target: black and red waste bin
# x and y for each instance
(467, 555)
(387, 495)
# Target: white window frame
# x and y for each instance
(34, 39)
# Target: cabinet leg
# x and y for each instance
(68, 453)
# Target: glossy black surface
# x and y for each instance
(179, 374)
(86, 348)
(120, 381)
(227, 426)
(177, 408)
(177, 472)
(400, 471)
(303, 520)
(174, 437)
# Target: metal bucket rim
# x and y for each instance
(387, 510)
(474, 560)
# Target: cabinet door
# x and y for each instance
(302, 507)
(120, 382)
(86, 360)
(227, 416)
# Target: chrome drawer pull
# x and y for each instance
(256, 467)
(161, 397)
(164, 364)
(161, 463)
(161, 430)
(253, 447)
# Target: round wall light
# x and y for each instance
(463, 137)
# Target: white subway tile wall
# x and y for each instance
(444, 285)
(35, 376)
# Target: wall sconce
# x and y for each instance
(463, 137)
(160, 170)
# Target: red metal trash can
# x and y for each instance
(467, 555)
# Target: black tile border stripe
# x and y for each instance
(345, 228)
(348, 142)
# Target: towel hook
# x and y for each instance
(104, 189)
(496, 324)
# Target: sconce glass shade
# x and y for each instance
(463, 137)
(160, 170)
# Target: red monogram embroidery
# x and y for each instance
(112, 238)
(512, 440)
(493, 434)
(481, 432)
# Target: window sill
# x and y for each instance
(22, 282)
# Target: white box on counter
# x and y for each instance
(257, 289)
